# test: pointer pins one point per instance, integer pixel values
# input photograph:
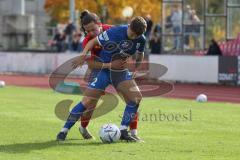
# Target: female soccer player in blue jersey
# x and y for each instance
(121, 41)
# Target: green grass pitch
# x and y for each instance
(202, 131)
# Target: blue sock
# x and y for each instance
(129, 113)
(74, 115)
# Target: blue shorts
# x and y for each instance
(100, 79)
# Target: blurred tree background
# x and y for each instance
(111, 11)
(59, 9)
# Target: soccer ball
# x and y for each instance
(2, 84)
(109, 133)
(201, 98)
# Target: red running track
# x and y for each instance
(218, 93)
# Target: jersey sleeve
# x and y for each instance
(105, 37)
(142, 46)
(85, 41)
(106, 27)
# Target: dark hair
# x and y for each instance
(88, 17)
(138, 25)
(84, 13)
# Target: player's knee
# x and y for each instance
(133, 104)
(88, 102)
(139, 99)
(88, 113)
(136, 99)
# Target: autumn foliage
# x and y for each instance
(59, 9)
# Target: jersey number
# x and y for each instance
(94, 82)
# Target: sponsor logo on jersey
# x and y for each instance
(110, 46)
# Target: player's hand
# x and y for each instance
(139, 74)
(134, 75)
(78, 62)
(118, 64)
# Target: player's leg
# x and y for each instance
(134, 123)
(134, 126)
(97, 85)
(90, 100)
(77, 111)
(98, 80)
(85, 118)
(130, 91)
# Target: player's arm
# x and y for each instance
(140, 53)
(83, 54)
(89, 46)
(139, 59)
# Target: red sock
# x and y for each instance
(86, 118)
(85, 121)
(134, 123)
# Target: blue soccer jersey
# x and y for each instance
(116, 44)
(115, 41)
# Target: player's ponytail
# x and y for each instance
(88, 17)
(84, 13)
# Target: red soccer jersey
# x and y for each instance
(97, 48)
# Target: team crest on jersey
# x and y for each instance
(126, 45)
